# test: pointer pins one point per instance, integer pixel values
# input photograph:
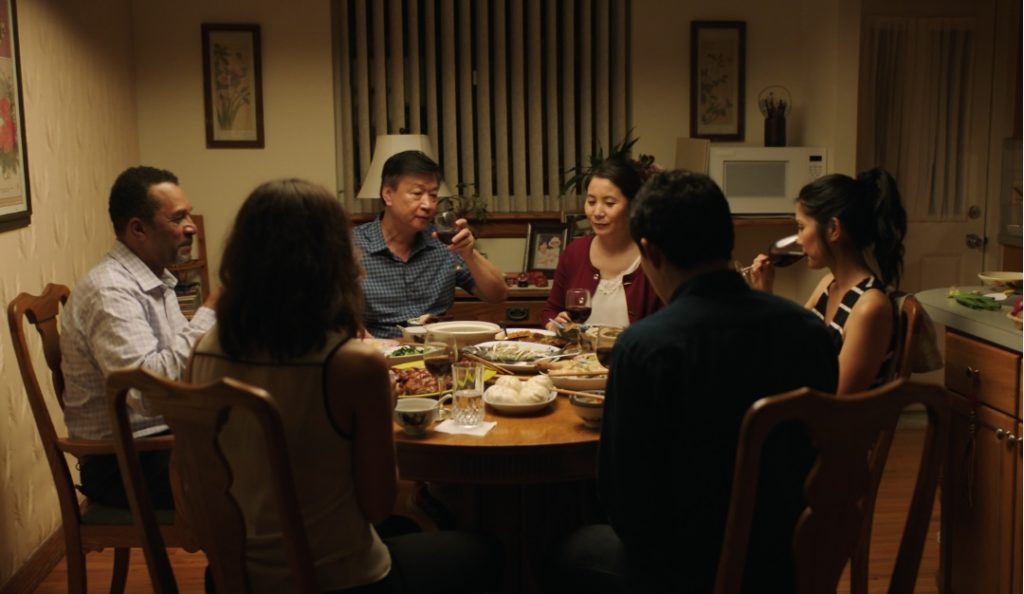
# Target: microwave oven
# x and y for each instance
(764, 180)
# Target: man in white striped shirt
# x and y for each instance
(124, 313)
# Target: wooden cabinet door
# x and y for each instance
(978, 499)
(1017, 553)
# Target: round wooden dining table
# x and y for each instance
(528, 481)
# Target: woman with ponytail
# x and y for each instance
(855, 228)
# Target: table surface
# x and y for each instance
(552, 445)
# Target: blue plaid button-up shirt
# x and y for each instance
(396, 291)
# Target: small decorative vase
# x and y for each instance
(775, 131)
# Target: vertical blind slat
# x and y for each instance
(511, 93)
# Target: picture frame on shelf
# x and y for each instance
(15, 198)
(544, 245)
(717, 79)
(232, 85)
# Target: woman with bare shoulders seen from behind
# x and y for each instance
(288, 322)
(855, 228)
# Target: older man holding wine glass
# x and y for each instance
(414, 257)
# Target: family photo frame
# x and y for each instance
(232, 85)
(717, 76)
(15, 199)
(544, 245)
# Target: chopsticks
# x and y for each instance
(575, 393)
(487, 363)
(560, 373)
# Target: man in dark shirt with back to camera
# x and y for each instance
(680, 382)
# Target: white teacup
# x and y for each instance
(415, 415)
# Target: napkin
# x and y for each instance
(450, 426)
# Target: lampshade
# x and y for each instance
(388, 145)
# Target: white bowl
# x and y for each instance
(464, 332)
(520, 408)
(1002, 279)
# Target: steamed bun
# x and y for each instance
(502, 394)
(532, 392)
(508, 380)
(543, 381)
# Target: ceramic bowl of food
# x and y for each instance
(589, 408)
(462, 332)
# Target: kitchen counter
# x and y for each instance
(991, 326)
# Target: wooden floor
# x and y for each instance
(890, 513)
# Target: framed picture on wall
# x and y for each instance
(717, 73)
(15, 202)
(544, 245)
(232, 86)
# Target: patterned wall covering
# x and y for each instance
(78, 82)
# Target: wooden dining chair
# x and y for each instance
(196, 415)
(906, 331)
(843, 430)
(87, 526)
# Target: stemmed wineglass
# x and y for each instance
(577, 306)
(781, 253)
(438, 358)
(444, 226)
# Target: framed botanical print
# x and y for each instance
(717, 73)
(232, 86)
(15, 199)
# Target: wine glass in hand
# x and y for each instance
(438, 358)
(577, 305)
(445, 227)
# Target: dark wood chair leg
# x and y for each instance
(120, 575)
(77, 576)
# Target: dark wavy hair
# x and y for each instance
(129, 196)
(289, 273)
(870, 210)
(686, 215)
(624, 174)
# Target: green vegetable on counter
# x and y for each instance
(973, 300)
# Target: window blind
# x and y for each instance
(511, 93)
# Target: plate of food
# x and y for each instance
(403, 353)
(519, 357)
(582, 372)
(511, 395)
(1012, 280)
(537, 335)
(413, 380)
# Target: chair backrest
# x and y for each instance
(906, 337)
(843, 429)
(196, 415)
(41, 311)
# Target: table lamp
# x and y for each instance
(386, 146)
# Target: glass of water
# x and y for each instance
(467, 394)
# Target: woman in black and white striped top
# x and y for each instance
(855, 228)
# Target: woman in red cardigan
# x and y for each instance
(607, 262)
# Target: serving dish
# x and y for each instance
(420, 370)
(404, 353)
(999, 278)
(462, 332)
(518, 357)
(587, 374)
(519, 408)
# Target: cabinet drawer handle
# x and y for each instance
(973, 372)
(517, 314)
(1011, 439)
(1000, 434)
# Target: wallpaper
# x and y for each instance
(79, 103)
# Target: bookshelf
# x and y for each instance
(193, 276)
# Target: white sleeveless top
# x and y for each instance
(346, 549)
(608, 304)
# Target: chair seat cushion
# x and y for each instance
(98, 514)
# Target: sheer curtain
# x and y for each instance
(511, 92)
(915, 102)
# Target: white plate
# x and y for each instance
(508, 408)
(1002, 279)
(997, 296)
(578, 382)
(395, 360)
(523, 366)
(501, 333)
